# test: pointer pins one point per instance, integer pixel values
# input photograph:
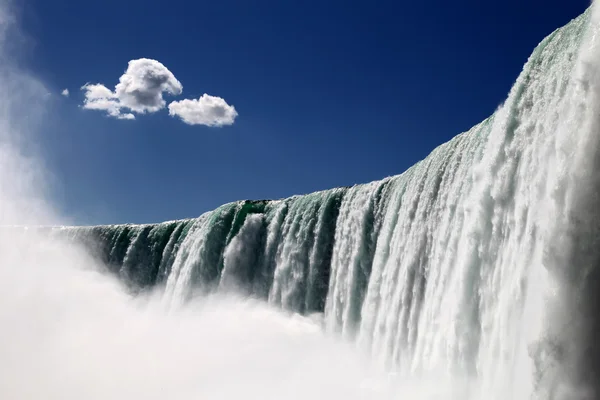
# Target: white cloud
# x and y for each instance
(97, 91)
(140, 90)
(65, 92)
(207, 110)
(99, 97)
(141, 87)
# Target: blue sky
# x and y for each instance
(327, 93)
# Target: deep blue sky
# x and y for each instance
(329, 93)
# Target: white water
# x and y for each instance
(460, 276)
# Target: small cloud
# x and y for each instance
(65, 92)
(141, 87)
(99, 97)
(140, 90)
(207, 110)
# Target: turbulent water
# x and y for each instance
(478, 264)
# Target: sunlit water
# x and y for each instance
(470, 276)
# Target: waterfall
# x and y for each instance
(477, 264)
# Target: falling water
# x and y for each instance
(476, 267)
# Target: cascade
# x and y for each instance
(479, 263)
